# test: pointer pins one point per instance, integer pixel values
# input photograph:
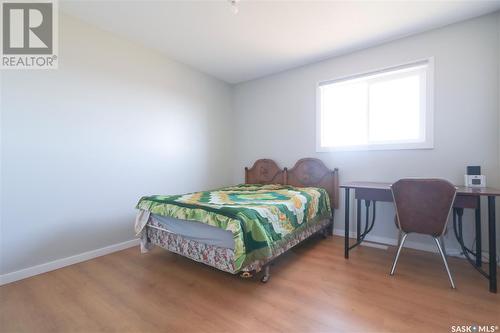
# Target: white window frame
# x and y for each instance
(428, 143)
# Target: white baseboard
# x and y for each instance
(59, 263)
(394, 242)
(454, 252)
(375, 245)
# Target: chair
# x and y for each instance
(423, 206)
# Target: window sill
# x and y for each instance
(374, 147)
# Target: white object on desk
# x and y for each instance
(475, 180)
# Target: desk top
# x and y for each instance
(462, 190)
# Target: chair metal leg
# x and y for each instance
(398, 252)
(441, 241)
(443, 256)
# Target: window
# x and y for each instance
(387, 109)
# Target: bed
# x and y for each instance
(241, 229)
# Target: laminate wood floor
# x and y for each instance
(312, 289)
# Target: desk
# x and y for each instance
(467, 198)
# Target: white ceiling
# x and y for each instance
(266, 37)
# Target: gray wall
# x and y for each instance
(275, 115)
(81, 144)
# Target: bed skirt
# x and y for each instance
(220, 257)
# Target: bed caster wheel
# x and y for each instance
(246, 275)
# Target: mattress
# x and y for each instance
(196, 231)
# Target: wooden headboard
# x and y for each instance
(307, 172)
(312, 172)
(264, 171)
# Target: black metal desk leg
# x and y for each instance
(346, 240)
(367, 217)
(492, 244)
(358, 220)
(460, 213)
(479, 249)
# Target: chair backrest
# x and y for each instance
(423, 205)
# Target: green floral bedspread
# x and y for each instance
(257, 215)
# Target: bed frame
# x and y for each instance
(307, 172)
